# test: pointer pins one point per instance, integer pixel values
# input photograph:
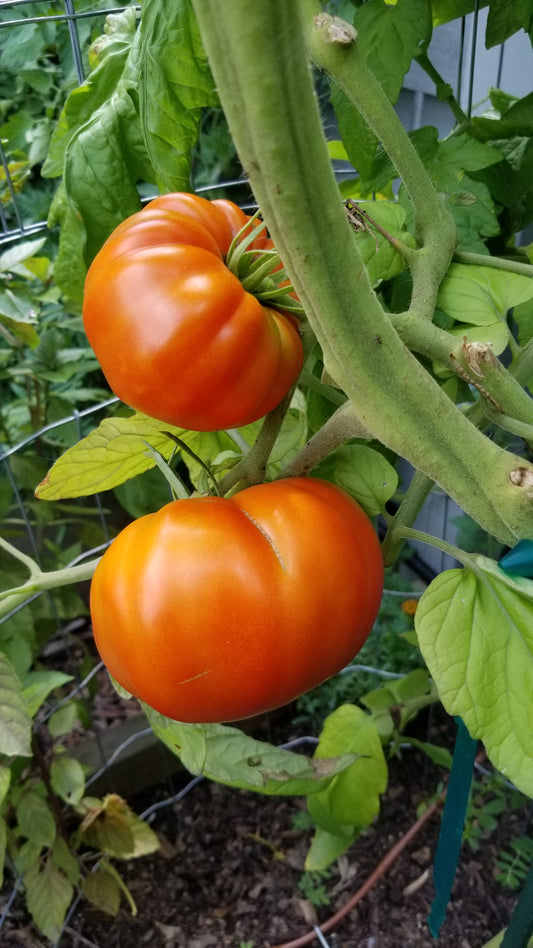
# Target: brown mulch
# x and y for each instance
(228, 871)
(230, 864)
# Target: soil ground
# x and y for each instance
(230, 864)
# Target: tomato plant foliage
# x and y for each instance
(413, 344)
(403, 330)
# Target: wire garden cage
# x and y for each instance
(59, 397)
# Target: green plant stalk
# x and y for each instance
(251, 468)
(408, 533)
(258, 56)
(411, 504)
(342, 425)
(443, 89)
(436, 230)
(40, 581)
(496, 383)
(497, 263)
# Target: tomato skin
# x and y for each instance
(176, 335)
(216, 609)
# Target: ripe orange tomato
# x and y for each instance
(176, 334)
(216, 609)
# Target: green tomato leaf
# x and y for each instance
(64, 858)
(102, 890)
(143, 494)
(474, 213)
(5, 781)
(291, 437)
(110, 825)
(326, 847)
(445, 10)
(109, 455)
(63, 719)
(67, 779)
(358, 141)
(11, 258)
(15, 730)
(37, 685)
(462, 153)
(523, 317)
(107, 68)
(475, 630)
(516, 121)
(408, 695)
(362, 472)
(390, 36)
(351, 801)
(506, 18)
(482, 296)
(496, 335)
(382, 260)
(174, 88)
(35, 820)
(70, 267)
(3, 848)
(225, 754)
(48, 896)
(99, 150)
(19, 329)
(469, 200)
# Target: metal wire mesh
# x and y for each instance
(66, 16)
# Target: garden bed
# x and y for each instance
(231, 864)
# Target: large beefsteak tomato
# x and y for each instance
(215, 609)
(176, 334)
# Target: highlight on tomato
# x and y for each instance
(176, 333)
(217, 609)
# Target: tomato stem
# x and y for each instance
(188, 450)
(39, 581)
(342, 425)
(449, 548)
(348, 68)
(411, 504)
(251, 468)
(260, 270)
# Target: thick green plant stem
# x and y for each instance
(443, 89)
(258, 56)
(411, 505)
(496, 263)
(474, 363)
(346, 64)
(40, 581)
(252, 466)
(342, 425)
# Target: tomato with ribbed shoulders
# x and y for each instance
(175, 332)
(216, 609)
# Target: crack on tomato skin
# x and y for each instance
(267, 537)
(195, 677)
